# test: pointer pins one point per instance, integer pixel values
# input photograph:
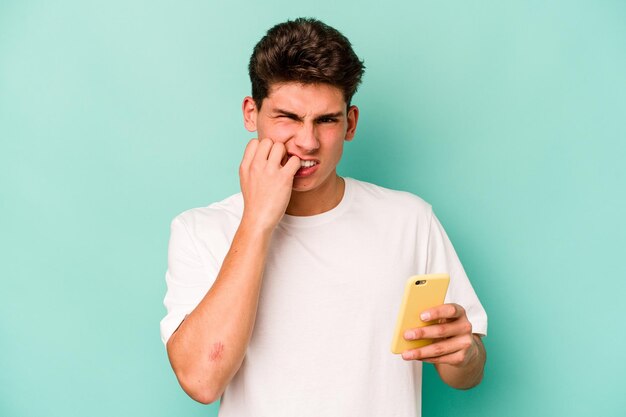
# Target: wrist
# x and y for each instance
(256, 227)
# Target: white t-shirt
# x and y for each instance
(331, 292)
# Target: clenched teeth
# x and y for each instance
(306, 164)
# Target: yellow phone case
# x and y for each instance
(421, 292)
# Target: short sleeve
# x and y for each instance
(188, 278)
(442, 258)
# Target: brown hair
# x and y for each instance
(307, 51)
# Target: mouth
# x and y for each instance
(304, 163)
(307, 163)
(307, 167)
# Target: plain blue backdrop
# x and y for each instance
(115, 116)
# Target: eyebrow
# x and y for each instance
(297, 117)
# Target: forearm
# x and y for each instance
(469, 374)
(209, 346)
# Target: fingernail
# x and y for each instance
(409, 335)
(425, 316)
(407, 355)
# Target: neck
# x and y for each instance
(322, 199)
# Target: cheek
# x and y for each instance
(279, 132)
(334, 149)
(332, 132)
(333, 138)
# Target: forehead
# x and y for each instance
(305, 98)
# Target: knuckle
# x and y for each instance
(452, 310)
(467, 327)
(438, 313)
(254, 168)
(466, 342)
(244, 171)
(438, 350)
(439, 331)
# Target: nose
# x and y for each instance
(306, 138)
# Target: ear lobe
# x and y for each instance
(353, 118)
(249, 110)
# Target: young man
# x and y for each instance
(282, 299)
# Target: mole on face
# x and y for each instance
(216, 351)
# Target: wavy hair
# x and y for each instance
(306, 51)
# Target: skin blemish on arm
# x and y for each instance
(216, 352)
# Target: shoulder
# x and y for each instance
(224, 214)
(389, 200)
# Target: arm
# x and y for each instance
(458, 355)
(208, 347)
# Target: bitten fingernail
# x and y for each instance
(425, 316)
(409, 335)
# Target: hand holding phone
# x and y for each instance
(421, 292)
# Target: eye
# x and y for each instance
(287, 117)
(327, 120)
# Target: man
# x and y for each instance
(282, 299)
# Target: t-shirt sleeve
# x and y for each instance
(188, 278)
(442, 258)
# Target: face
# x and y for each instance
(313, 121)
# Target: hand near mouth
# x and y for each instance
(266, 177)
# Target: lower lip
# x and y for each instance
(306, 171)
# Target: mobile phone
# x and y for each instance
(421, 292)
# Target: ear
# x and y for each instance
(353, 118)
(248, 107)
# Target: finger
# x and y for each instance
(444, 311)
(292, 166)
(455, 358)
(276, 154)
(440, 348)
(248, 154)
(263, 150)
(439, 331)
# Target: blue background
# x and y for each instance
(115, 116)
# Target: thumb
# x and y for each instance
(293, 165)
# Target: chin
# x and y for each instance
(303, 185)
(301, 189)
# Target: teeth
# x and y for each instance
(307, 164)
